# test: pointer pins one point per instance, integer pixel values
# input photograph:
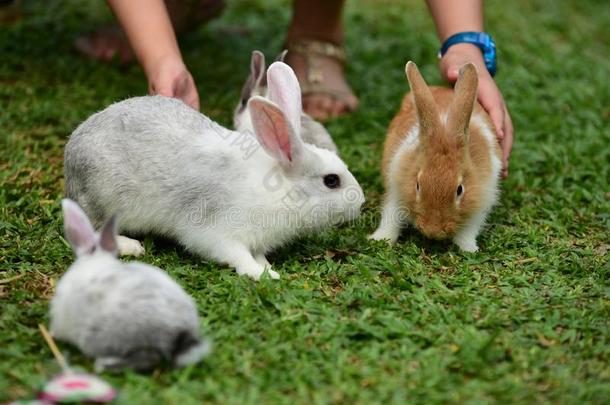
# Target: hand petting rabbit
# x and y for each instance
(122, 314)
(224, 195)
(441, 163)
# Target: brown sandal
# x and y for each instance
(311, 51)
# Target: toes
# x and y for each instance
(318, 106)
(325, 106)
(104, 45)
(338, 108)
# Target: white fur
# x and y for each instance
(393, 214)
(194, 354)
(171, 171)
(466, 238)
(130, 247)
(393, 207)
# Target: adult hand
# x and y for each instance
(488, 93)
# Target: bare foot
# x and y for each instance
(326, 93)
(108, 43)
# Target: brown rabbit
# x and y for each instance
(441, 162)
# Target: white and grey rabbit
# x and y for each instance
(222, 194)
(122, 314)
(312, 131)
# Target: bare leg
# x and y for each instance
(321, 20)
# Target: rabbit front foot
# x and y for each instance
(387, 232)
(392, 219)
(466, 238)
(467, 245)
(262, 260)
(245, 263)
(129, 247)
(256, 272)
(108, 363)
(264, 263)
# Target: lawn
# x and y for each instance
(525, 320)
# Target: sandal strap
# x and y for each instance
(312, 46)
(308, 88)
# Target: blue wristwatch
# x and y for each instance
(480, 39)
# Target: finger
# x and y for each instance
(187, 91)
(166, 91)
(497, 118)
(192, 99)
(492, 103)
(452, 74)
(507, 143)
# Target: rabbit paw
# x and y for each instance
(273, 274)
(129, 247)
(385, 233)
(108, 363)
(257, 272)
(467, 245)
(262, 260)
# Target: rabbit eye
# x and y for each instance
(417, 186)
(460, 190)
(332, 181)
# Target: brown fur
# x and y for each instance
(446, 153)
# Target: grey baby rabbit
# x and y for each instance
(312, 131)
(122, 314)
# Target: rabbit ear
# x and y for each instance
(108, 236)
(463, 100)
(257, 75)
(281, 56)
(427, 112)
(274, 131)
(284, 90)
(77, 228)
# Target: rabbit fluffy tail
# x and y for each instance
(189, 349)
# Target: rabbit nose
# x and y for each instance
(431, 231)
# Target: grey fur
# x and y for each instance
(121, 155)
(124, 314)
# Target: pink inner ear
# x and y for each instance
(272, 129)
(284, 90)
(77, 227)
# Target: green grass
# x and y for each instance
(526, 320)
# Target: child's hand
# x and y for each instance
(170, 77)
(488, 93)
